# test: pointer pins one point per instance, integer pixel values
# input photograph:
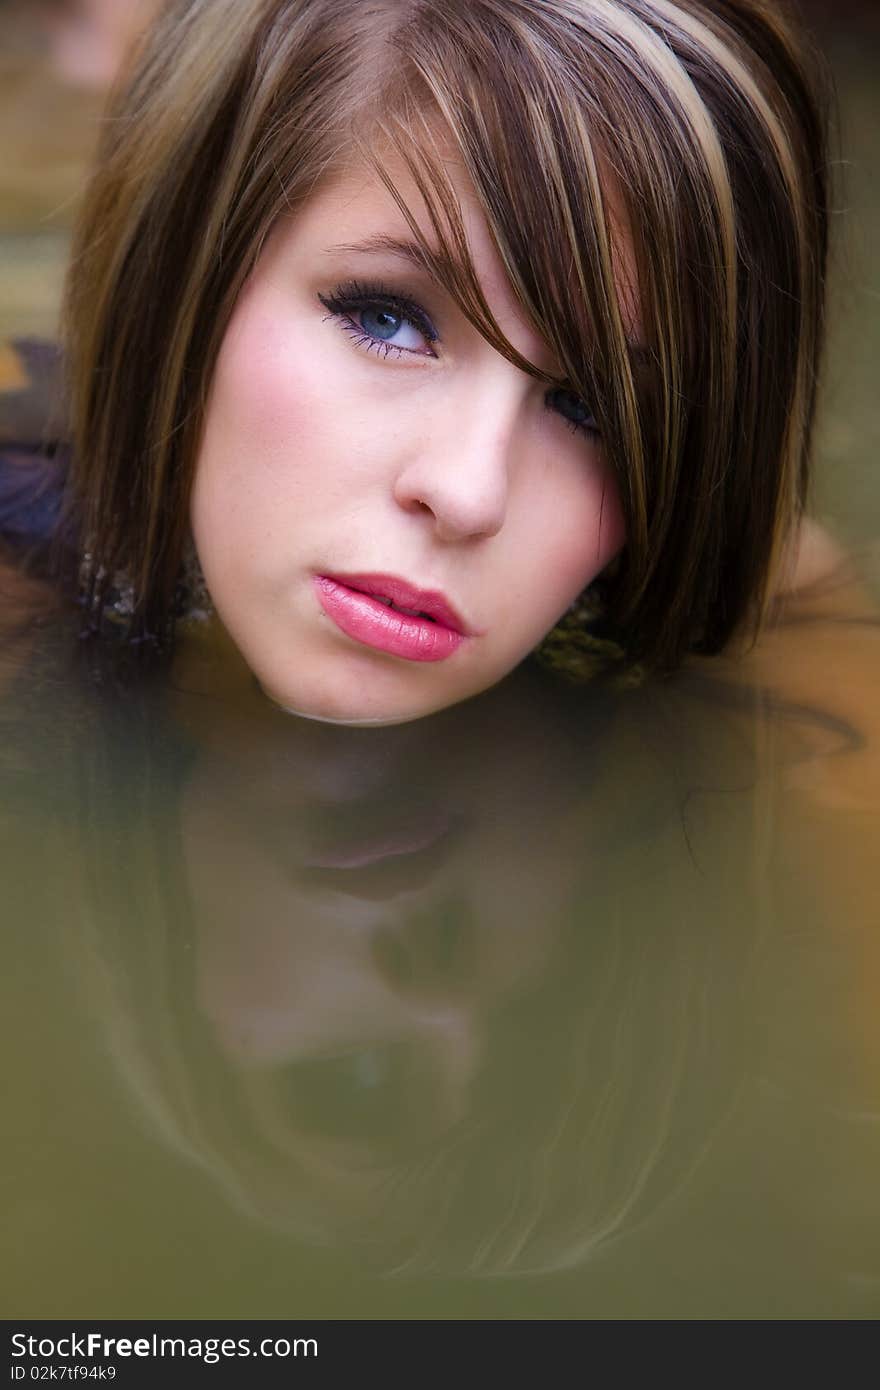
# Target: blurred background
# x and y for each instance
(57, 60)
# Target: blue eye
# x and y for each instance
(574, 411)
(374, 315)
(385, 323)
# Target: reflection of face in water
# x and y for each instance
(409, 1012)
(355, 891)
(471, 994)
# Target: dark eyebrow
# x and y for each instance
(434, 262)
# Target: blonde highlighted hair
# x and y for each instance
(695, 128)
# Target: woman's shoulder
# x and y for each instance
(31, 487)
(824, 585)
(814, 559)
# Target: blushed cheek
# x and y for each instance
(243, 472)
(571, 540)
(265, 447)
(262, 395)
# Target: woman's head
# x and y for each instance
(601, 344)
(402, 446)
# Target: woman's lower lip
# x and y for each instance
(385, 629)
(373, 847)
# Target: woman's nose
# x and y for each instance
(461, 469)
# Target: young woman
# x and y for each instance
(416, 328)
(509, 314)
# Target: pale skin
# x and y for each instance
(436, 460)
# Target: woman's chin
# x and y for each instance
(335, 712)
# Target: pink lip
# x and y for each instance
(380, 867)
(432, 633)
(374, 847)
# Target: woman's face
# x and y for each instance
(363, 442)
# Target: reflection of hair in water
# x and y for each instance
(601, 1083)
(598, 1092)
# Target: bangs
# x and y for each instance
(549, 229)
(629, 152)
(537, 133)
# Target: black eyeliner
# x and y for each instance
(357, 294)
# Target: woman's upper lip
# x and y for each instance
(403, 594)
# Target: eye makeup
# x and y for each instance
(580, 421)
(359, 297)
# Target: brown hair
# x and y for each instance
(700, 122)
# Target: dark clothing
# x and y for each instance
(33, 453)
(30, 496)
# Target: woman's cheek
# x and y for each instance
(609, 524)
(267, 389)
(594, 535)
(265, 447)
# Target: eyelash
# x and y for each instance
(355, 296)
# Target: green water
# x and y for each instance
(552, 1004)
(558, 1004)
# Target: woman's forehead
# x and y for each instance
(352, 224)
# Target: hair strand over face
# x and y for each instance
(666, 152)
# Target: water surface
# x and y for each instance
(561, 1002)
